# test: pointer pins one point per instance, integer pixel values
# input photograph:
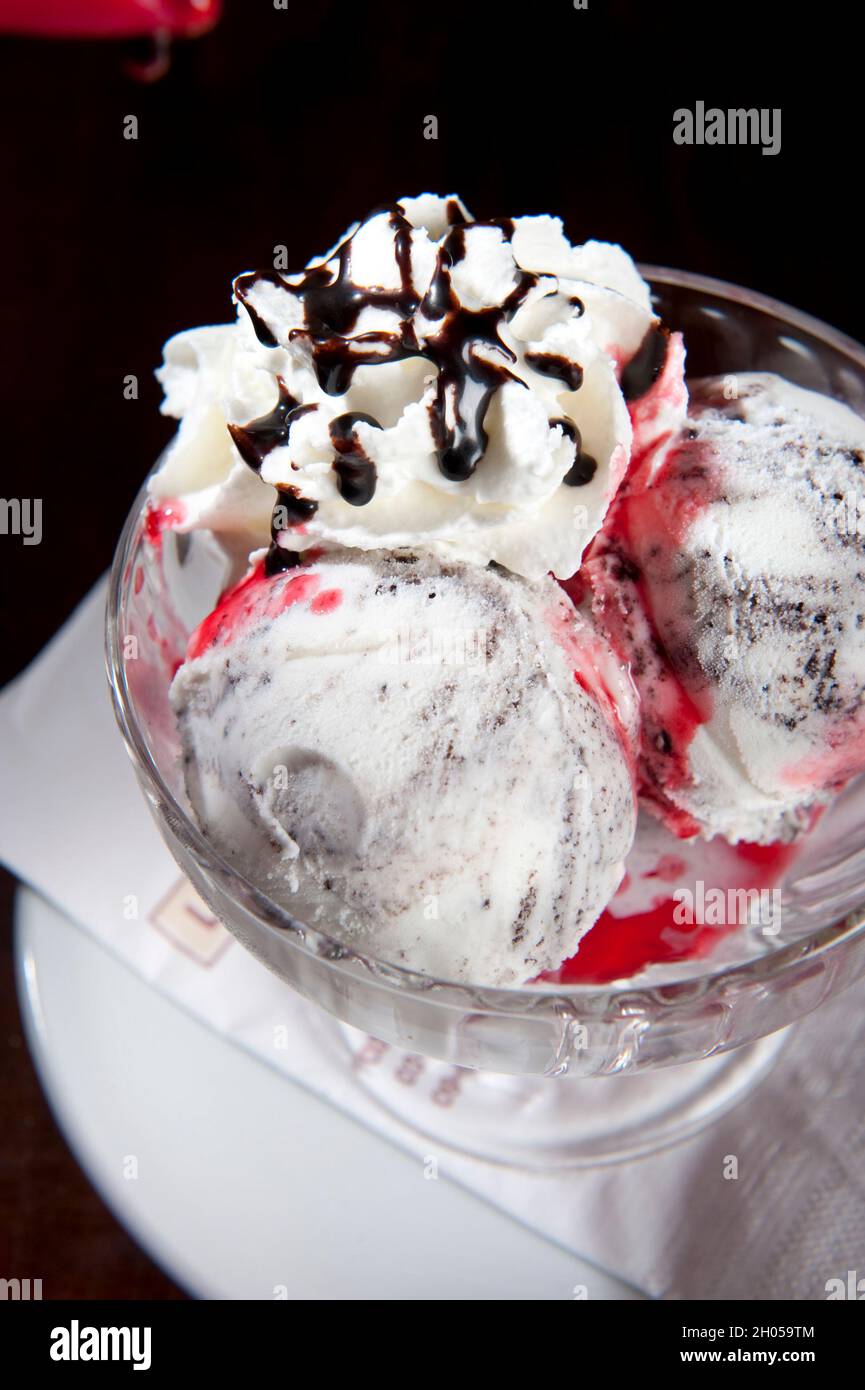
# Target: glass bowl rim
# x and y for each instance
(339, 952)
(753, 299)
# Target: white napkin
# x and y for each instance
(74, 824)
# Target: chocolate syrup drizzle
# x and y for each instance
(584, 467)
(333, 304)
(552, 364)
(295, 509)
(291, 510)
(256, 440)
(646, 364)
(356, 475)
(467, 378)
(465, 346)
(242, 285)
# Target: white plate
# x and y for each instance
(247, 1186)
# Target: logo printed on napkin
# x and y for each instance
(189, 924)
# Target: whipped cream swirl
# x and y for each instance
(431, 382)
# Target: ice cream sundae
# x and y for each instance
(497, 579)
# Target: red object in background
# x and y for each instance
(108, 18)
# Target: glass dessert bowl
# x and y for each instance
(557, 1074)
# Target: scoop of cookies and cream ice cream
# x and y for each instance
(431, 382)
(730, 578)
(427, 757)
(396, 725)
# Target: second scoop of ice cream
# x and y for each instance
(397, 749)
(731, 577)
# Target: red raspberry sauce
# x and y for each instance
(618, 947)
(162, 518)
(259, 598)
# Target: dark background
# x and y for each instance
(281, 127)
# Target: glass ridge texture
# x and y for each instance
(667, 1015)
